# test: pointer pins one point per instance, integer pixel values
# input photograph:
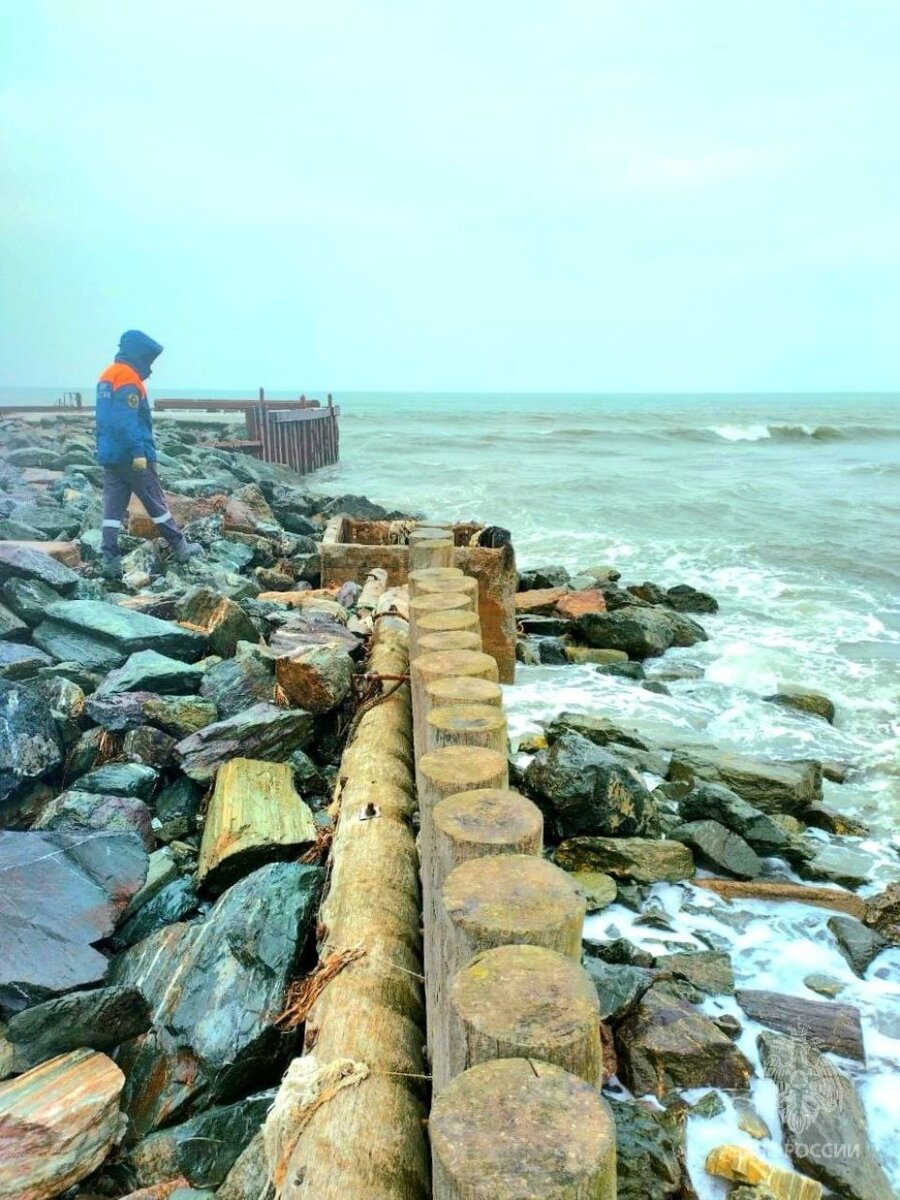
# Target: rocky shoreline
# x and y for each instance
(151, 926)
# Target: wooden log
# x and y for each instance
(425, 668)
(373, 589)
(509, 899)
(469, 825)
(450, 639)
(431, 553)
(466, 725)
(462, 689)
(369, 1139)
(454, 769)
(255, 816)
(775, 889)
(519, 1129)
(827, 1025)
(440, 602)
(442, 621)
(454, 583)
(58, 1122)
(525, 1002)
(414, 578)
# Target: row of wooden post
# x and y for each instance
(513, 1019)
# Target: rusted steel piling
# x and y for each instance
(513, 1019)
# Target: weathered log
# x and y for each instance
(462, 689)
(525, 1002)
(453, 583)
(416, 577)
(368, 1139)
(826, 1024)
(451, 639)
(510, 899)
(466, 725)
(425, 668)
(255, 816)
(373, 589)
(776, 889)
(454, 769)
(58, 1122)
(516, 1129)
(449, 620)
(431, 552)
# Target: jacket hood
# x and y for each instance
(138, 351)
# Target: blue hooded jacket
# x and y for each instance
(124, 423)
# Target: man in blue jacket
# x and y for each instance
(127, 452)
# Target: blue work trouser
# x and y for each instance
(119, 483)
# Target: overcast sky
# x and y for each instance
(656, 195)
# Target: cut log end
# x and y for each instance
(461, 768)
(463, 689)
(518, 1128)
(481, 725)
(491, 817)
(526, 1002)
(450, 639)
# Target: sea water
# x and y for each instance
(787, 509)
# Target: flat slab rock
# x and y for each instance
(263, 731)
(644, 860)
(30, 745)
(122, 629)
(828, 1025)
(61, 893)
(100, 1019)
(58, 1123)
(772, 787)
(23, 562)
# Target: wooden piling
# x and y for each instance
(454, 769)
(525, 1002)
(448, 639)
(431, 552)
(522, 1129)
(489, 902)
(462, 689)
(425, 668)
(466, 725)
(416, 577)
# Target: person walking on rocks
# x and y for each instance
(127, 452)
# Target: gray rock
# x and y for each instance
(20, 562)
(707, 970)
(236, 964)
(74, 810)
(538, 578)
(149, 671)
(263, 731)
(175, 901)
(858, 944)
(149, 747)
(12, 628)
(684, 598)
(824, 1124)
(839, 864)
(714, 801)
(30, 745)
(177, 806)
(111, 633)
(21, 662)
(772, 787)
(62, 892)
(813, 704)
(827, 1025)
(718, 848)
(600, 730)
(618, 987)
(203, 1149)
(243, 1181)
(99, 1019)
(120, 779)
(649, 1153)
(643, 860)
(667, 1044)
(641, 632)
(585, 790)
(179, 716)
(622, 670)
(240, 682)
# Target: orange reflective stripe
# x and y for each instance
(121, 375)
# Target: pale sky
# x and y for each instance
(588, 195)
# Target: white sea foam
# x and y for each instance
(742, 433)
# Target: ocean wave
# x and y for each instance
(759, 433)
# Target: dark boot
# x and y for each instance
(185, 551)
(111, 567)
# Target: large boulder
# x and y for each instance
(28, 598)
(120, 779)
(858, 944)
(315, 678)
(21, 562)
(223, 622)
(642, 632)
(619, 986)
(772, 787)
(204, 1149)
(216, 990)
(61, 893)
(649, 1153)
(584, 790)
(667, 1044)
(602, 731)
(715, 802)
(813, 704)
(238, 683)
(102, 636)
(150, 671)
(178, 716)
(263, 731)
(718, 848)
(825, 1132)
(100, 1018)
(75, 810)
(30, 745)
(642, 860)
